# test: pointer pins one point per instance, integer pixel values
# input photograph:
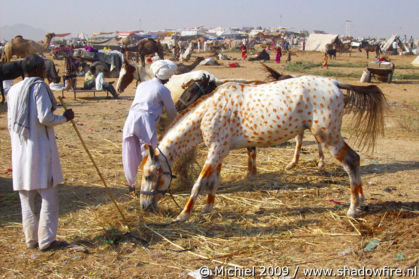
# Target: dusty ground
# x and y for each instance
(278, 218)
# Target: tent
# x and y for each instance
(416, 61)
(111, 43)
(388, 45)
(318, 42)
(83, 36)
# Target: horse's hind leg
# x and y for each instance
(299, 141)
(298, 144)
(320, 164)
(350, 161)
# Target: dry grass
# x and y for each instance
(286, 218)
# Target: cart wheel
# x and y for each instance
(389, 77)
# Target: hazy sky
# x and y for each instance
(368, 17)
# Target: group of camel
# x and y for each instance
(22, 47)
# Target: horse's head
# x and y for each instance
(126, 75)
(195, 89)
(50, 72)
(156, 178)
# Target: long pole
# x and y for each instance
(97, 169)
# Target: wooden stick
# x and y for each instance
(97, 169)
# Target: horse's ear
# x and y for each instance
(207, 78)
(149, 150)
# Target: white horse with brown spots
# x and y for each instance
(242, 115)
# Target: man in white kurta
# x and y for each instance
(101, 84)
(140, 127)
(35, 162)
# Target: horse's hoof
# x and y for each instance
(290, 166)
(251, 174)
(182, 217)
(320, 165)
(352, 213)
(207, 209)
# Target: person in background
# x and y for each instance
(289, 54)
(244, 51)
(35, 162)
(89, 78)
(278, 54)
(101, 84)
(140, 127)
(394, 45)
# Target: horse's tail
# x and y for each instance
(273, 74)
(368, 104)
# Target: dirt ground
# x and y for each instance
(293, 219)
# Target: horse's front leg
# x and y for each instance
(251, 161)
(213, 183)
(209, 179)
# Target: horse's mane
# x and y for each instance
(189, 109)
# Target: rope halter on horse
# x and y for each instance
(156, 190)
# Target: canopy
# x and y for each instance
(318, 42)
(62, 35)
(102, 34)
(127, 34)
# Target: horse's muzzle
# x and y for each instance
(148, 204)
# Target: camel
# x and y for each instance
(21, 47)
(145, 47)
(181, 68)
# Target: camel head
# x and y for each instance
(49, 36)
(126, 41)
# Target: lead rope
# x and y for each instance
(171, 177)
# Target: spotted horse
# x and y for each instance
(244, 115)
(197, 88)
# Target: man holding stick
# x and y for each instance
(35, 162)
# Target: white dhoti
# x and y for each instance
(139, 129)
(44, 230)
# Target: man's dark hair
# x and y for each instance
(32, 63)
(93, 69)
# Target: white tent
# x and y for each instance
(188, 33)
(83, 36)
(318, 42)
(416, 61)
(388, 45)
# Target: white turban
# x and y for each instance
(163, 69)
